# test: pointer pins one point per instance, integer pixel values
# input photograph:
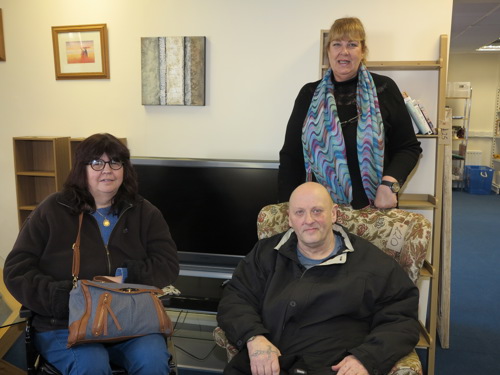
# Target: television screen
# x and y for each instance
(211, 206)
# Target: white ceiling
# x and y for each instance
(474, 24)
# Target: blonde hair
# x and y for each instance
(348, 28)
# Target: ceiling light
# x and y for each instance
(493, 46)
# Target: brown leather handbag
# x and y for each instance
(112, 312)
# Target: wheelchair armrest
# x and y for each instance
(25, 313)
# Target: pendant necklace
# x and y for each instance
(105, 222)
(342, 123)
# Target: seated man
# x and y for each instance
(318, 299)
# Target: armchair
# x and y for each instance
(401, 234)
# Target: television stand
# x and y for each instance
(194, 312)
(198, 293)
(216, 266)
(212, 272)
(195, 348)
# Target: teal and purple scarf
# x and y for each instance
(323, 141)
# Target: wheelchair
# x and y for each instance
(37, 365)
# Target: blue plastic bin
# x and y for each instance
(478, 179)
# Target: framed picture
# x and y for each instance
(2, 43)
(81, 52)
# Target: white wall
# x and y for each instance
(482, 70)
(259, 54)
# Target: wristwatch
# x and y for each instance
(395, 187)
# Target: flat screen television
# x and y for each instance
(211, 207)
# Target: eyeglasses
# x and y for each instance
(99, 164)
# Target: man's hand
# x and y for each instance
(263, 356)
(350, 366)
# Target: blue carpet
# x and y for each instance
(475, 288)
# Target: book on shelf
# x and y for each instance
(418, 118)
(427, 117)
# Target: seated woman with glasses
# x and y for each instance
(123, 236)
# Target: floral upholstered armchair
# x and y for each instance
(401, 234)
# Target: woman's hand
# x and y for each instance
(109, 279)
(350, 366)
(263, 356)
(384, 197)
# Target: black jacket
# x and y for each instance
(402, 149)
(38, 269)
(359, 302)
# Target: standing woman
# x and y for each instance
(123, 236)
(351, 130)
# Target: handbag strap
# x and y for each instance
(76, 253)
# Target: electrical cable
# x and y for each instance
(178, 321)
(194, 356)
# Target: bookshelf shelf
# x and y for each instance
(404, 65)
(394, 65)
(417, 201)
(425, 341)
(427, 270)
(37, 173)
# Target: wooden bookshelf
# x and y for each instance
(41, 166)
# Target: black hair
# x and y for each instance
(76, 185)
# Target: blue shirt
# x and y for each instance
(308, 262)
(104, 215)
(101, 215)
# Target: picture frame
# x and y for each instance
(81, 52)
(2, 42)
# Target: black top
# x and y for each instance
(402, 149)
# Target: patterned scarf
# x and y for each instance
(323, 142)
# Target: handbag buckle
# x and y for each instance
(129, 290)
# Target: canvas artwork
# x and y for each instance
(173, 70)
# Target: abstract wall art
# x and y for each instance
(173, 70)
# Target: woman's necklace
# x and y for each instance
(105, 222)
(342, 123)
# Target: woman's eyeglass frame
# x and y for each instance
(99, 164)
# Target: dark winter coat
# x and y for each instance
(359, 302)
(37, 271)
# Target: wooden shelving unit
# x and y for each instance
(461, 109)
(41, 166)
(432, 201)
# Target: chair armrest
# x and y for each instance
(408, 365)
(25, 313)
(221, 340)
